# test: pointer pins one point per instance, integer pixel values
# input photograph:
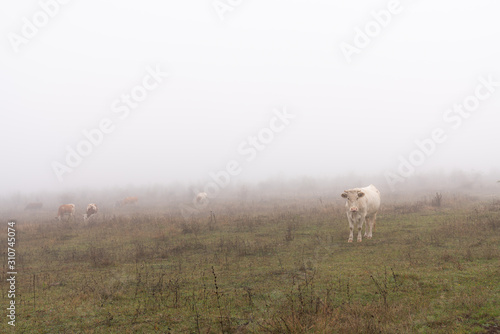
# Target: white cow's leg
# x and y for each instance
(367, 223)
(368, 227)
(351, 228)
(360, 226)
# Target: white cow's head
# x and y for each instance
(352, 197)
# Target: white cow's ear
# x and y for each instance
(344, 194)
(361, 194)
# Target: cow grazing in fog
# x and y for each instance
(126, 201)
(362, 206)
(33, 206)
(66, 210)
(91, 210)
(202, 198)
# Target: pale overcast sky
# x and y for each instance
(316, 88)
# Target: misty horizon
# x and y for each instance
(102, 96)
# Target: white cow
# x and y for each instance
(91, 210)
(202, 198)
(362, 206)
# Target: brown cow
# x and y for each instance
(91, 210)
(33, 206)
(66, 210)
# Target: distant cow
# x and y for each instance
(33, 206)
(66, 210)
(202, 198)
(91, 210)
(126, 201)
(362, 206)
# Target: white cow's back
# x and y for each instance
(371, 199)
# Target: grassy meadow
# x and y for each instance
(274, 266)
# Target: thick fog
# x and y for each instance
(103, 94)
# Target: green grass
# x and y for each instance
(275, 268)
